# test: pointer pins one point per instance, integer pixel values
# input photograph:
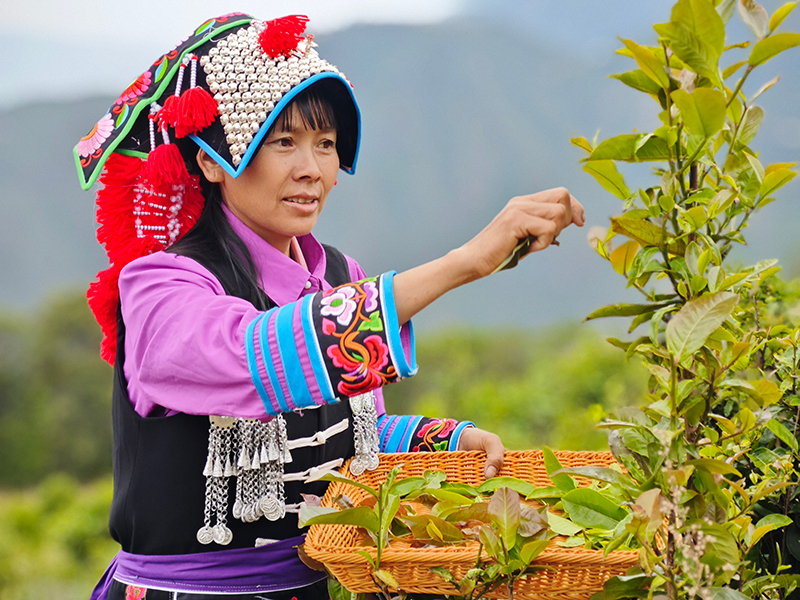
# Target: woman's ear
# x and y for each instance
(209, 167)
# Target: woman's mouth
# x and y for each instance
(300, 200)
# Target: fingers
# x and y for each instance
(473, 438)
(494, 455)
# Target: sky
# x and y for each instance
(67, 50)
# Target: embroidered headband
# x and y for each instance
(241, 74)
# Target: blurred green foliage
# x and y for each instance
(531, 387)
(55, 395)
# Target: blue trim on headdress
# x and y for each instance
(284, 101)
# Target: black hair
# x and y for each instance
(212, 241)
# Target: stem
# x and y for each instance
(739, 85)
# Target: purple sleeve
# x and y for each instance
(191, 348)
(184, 342)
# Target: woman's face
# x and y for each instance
(280, 194)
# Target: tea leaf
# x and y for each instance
(606, 174)
(772, 46)
(590, 509)
(702, 111)
(779, 15)
(504, 509)
(552, 465)
(688, 330)
(648, 62)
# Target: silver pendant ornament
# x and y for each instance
(365, 433)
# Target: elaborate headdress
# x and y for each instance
(223, 87)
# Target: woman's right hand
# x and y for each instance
(541, 216)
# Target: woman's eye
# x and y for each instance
(285, 142)
(328, 144)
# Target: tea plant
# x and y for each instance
(698, 456)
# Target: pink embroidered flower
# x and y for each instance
(340, 304)
(371, 303)
(133, 592)
(95, 138)
(364, 373)
(137, 88)
(441, 428)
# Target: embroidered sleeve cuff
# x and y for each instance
(419, 434)
(340, 342)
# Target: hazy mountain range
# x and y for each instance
(458, 117)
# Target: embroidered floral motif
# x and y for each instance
(363, 358)
(133, 592)
(340, 304)
(371, 302)
(136, 89)
(95, 138)
(434, 428)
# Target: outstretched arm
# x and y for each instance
(543, 215)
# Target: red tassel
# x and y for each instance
(280, 36)
(168, 115)
(196, 110)
(123, 179)
(165, 166)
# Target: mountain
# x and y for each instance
(458, 117)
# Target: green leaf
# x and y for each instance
(504, 509)
(733, 68)
(563, 526)
(532, 549)
(648, 62)
(772, 46)
(699, 56)
(445, 574)
(779, 15)
(582, 143)
(775, 180)
(606, 174)
(645, 232)
(700, 17)
(702, 111)
(714, 466)
(758, 169)
(348, 481)
(782, 433)
(752, 121)
(599, 473)
(360, 516)
(626, 586)
(590, 509)
(518, 485)
(726, 593)
(688, 330)
(638, 81)
(490, 541)
(387, 578)
(624, 148)
(621, 310)
(755, 17)
(725, 9)
(552, 464)
(403, 487)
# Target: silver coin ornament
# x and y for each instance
(205, 535)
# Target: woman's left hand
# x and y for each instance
(473, 438)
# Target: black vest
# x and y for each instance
(159, 487)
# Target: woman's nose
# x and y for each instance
(307, 163)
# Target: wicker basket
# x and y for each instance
(573, 573)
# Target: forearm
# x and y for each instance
(418, 287)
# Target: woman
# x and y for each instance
(233, 347)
